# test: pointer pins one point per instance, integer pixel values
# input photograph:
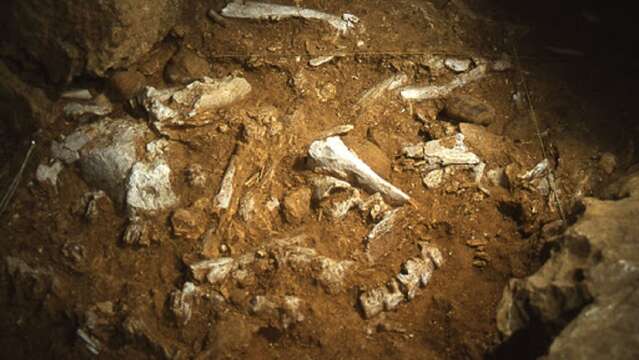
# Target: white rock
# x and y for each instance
(214, 271)
(149, 187)
(108, 150)
(331, 156)
(433, 179)
(264, 11)
(157, 148)
(431, 252)
(182, 302)
(272, 204)
(372, 302)
(49, 174)
(332, 272)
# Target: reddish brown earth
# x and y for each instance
(453, 317)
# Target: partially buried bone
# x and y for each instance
(332, 156)
(415, 273)
(390, 84)
(223, 198)
(191, 105)
(264, 11)
(438, 157)
(440, 91)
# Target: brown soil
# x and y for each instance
(453, 317)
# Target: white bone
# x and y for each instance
(332, 156)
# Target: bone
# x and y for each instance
(77, 94)
(415, 273)
(458, 64)
(191, 105)
(224, 196)
(384, 226)
(440, 91)
(538, 171)
(438, 157)
(77, 111)
(332, 156)
(263, 11)
(390, 84)
(321, 60)
(337, 130)
(48, 174)
(325, 185)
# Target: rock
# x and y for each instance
(497, 177)
(196, 176)
(49, 174)
(283, 311)
(490, 147)
(89, 205)
(156, 60)
(126, 84)
(30, 283)
(149, 187)
(608, 163)
(107, 151)
(136, 233)
(23, 108)
(182, 302)
(70, 38)
(464, 108)
(186, 66)
(433, 179)
(214, 271)
(592, 276)
(332, 273)
(232, 334)
(188, 224)
(297, 205)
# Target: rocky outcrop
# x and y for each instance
(22, 107)
(70, 37)
(593, 280)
